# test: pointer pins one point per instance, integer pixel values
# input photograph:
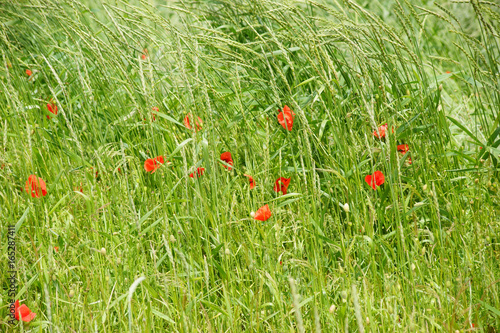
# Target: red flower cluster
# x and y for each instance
(378, 178)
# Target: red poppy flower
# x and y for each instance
(56, 248)
(448, 72)
(199, 172)
(375, 180)
(155, 109)
(403, 149)
(29, 72)
(380, 133)
(152, 164)
(23, 312)
(281, 184)
(52, 108)
(252, 182)
(36, 186)
(144, 54)
(199, 122)
(285, 118)
(226, 157)
(263, 214)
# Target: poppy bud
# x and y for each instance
(103, 251)
(343, 294)
(228, 252)
(252, 214)
(413, 266)
(71, 293)
(424, 187)
(440, 87)
(367, 320)
(172, 238)
(332, 308)
(476, 180)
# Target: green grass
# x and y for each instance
(164, 252)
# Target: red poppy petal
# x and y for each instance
(149, 165)
(285, 118)
(16, 306)
(43, 187)
(199, 124)
(24, 313)
(29, 317)
(186, 122)
(35, 186)
(250, 179)
(226, 157)
(379, 178)
(369, 181)
(263, 213)
(403, 148)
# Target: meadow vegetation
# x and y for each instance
(124, 242)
